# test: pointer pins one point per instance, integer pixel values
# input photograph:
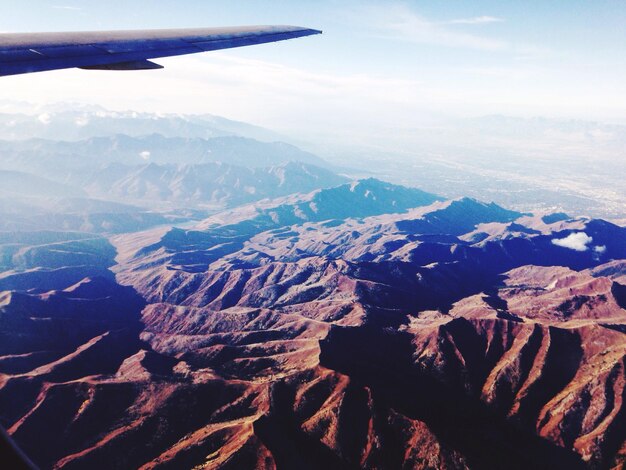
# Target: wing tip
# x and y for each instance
(298, 30)
(307, 32)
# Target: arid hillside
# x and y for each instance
(301, 333)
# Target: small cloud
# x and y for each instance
(81, 121)
(402, 23)
(66, 7)
(476, 20)
(598, 251)
(44, 118)
(145, 155)
(574, 241)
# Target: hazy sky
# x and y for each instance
(377, 65)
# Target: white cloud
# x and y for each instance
(145, 155)
(397, 21)
(401, 23)
(600, 249)
(476, 20)
(66, 7)
(574, 241)
(44, 118)
(82, 121)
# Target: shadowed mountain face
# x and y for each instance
(365, 325)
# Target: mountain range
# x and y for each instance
(73, 121)
(321, 330)
(211, 185)
(193, 295)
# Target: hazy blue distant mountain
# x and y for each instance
(213, 185)
(24, 185)
(80, 214)
(176, 174)
(76, 162)
(67, 121)
(29, 202)
(541, 128)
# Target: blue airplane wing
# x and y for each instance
(126, 50)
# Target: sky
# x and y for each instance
(378, 65)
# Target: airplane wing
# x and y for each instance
(126, 50)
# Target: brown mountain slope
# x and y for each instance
(244, 388)
(441, 353)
